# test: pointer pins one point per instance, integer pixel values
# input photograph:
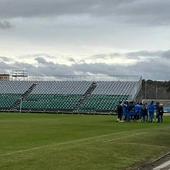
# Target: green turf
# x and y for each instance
(78, 142)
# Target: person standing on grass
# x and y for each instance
(126, 110)
(151, 110)
(137, 111)
(144, 112)
(140, 110)
(120, 111)
(160, 112)
(131, 110)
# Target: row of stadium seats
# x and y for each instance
(102, 103)
(14, 87)
(68, 87)
(45, 87)
(7, 100)
(50, 102)
(114, 88)
(61, 102)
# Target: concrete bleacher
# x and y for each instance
(114, 88)
(61, 87)
(65, 95)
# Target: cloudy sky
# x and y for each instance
(55, 37)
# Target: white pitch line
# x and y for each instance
(127, 136)
(61, 143)
(164, 165)
(73, 142)
(143, 144)
(80, 140)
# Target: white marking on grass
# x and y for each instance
(143, 144)
(72, 142)
(82, 140)
(162, 166)
(126, 136)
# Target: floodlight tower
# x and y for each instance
(19, 75)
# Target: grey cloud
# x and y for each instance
(135, 11)
(5, 59)
(152, 12)
(4, 66)
(47, 69)
(51, 69)
(5, 25)
(24, 8)
(149, 69)
(156, 54)
(166, 54)
(99, 68)
(134, 55)
(41, 60)
(145, 53)
(111, 55)
(71, 60)
(154, 70)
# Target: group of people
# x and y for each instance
(128, 111)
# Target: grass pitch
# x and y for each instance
(78, 142)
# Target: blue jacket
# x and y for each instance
(138, 108)
(151, 108)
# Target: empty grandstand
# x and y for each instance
(100, 96)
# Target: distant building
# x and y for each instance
(4, 76)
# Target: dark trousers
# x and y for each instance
(144, 118)
(160, 118)
(120, 116)
(151, 116)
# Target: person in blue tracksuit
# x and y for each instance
(138, 109)
(151, 110)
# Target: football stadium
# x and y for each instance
(84, 85)
(70, 123)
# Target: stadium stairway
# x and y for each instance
(24, 96)
(85, 96)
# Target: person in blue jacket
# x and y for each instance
(151, 110)
(138, 109)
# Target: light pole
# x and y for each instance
(145, 88)
(156, 91)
